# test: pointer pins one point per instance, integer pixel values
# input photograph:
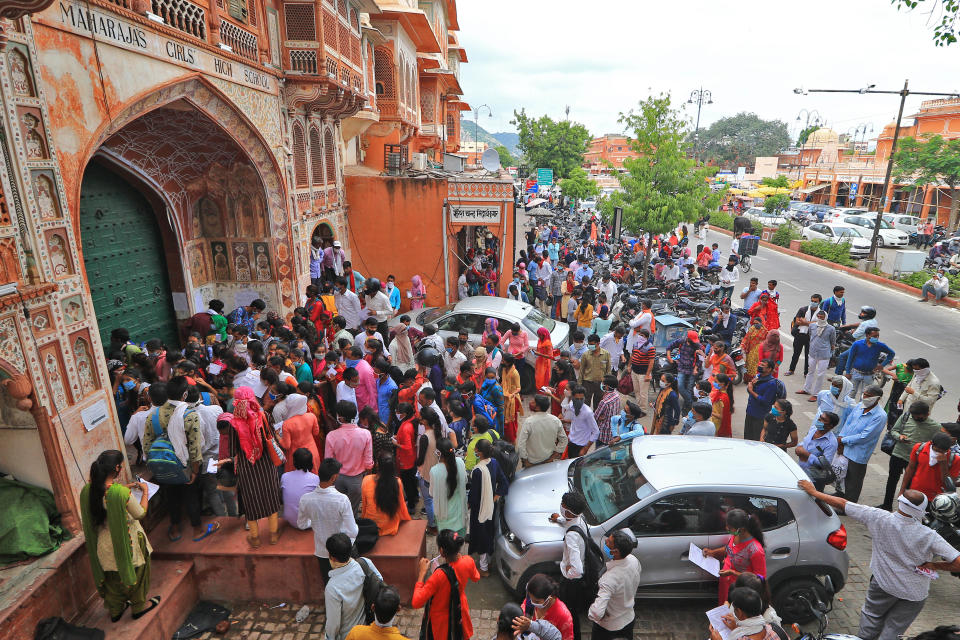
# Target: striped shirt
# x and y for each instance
(641, 357)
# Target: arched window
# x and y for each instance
(330, 154)
(316, 157)
(299, 156)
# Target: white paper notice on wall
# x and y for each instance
(180, 301)
(94, 415)
(244, 298)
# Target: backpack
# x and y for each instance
(372, 583)
(485, 408)
(454, 619)
(162, 459)
(506, 456)
(593, 566)
(781, 388)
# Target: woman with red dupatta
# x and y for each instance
(258, 485)
(720, 399)
(544, 353)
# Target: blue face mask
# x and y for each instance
(351, 363)
(818, 425)
(835, 392)
(606, 551)
(716, 385)
(774, 411)
(129, 385)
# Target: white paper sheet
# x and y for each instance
(710, 565)
(151, 490)
(212, 466)
(715, 616)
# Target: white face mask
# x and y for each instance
(870, 402)
(821, 322)
(663, 385)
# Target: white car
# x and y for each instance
(889, 237)
(838, 233)
(764, 218)
(834, 214)
(905, 223)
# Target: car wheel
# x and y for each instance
(791, 597)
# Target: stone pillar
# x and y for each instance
(888, 196)
(859, 201)
(832, 198)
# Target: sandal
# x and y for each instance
(126, 605)
(212, 528)
(173, 537)
(154, 601)
(254, 541)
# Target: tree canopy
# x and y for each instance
(802, 137)
(578, 186)
(548, 144)
(737, 140)
(662, 187)
(947, 14)
(780, 181)
(506, 158)
(930, 161)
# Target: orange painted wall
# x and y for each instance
(373, 156)
(395, 227)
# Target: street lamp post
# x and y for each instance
(807, 114)
(903, 93)
(476, 128)
(698, 96)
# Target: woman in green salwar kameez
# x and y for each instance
(118, 548)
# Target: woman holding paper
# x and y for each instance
(743, 552)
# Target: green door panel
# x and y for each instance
(124, 257)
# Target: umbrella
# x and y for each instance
(539, 211)
(536, 202)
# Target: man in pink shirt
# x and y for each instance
(352, 447)
(367, 390)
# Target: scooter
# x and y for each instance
(819, 610)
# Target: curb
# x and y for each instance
(887, 282)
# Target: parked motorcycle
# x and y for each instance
(811, 605)
(943, 516)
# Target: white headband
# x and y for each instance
(915, 511)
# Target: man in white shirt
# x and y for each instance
(327, 511)
(376, 301)
(348, 304)
(672, 272)
(614, 343)
(250, 377)
(644, 319)
(541, 438)
(572, 506)
(608, 287)
(452, 357)
(370, 331)
(139, 420)
(343, 593)
(938, 287)
(347, 388)
(584, 430)
(612, 612)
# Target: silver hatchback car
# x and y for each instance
(671, 491)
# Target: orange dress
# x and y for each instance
(438, 587)
(301, 431)
(541, 372)
(387, 525)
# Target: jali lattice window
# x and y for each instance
(300, 21)
(299, 156)
(316, 157)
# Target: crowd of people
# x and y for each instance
(333, 421)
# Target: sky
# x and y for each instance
(602, 56)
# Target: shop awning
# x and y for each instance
(536, 202)
(815, 187)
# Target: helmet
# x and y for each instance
(868, 313)
(946, 507)
(372, 285)
(427, 357)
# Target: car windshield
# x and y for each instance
(535, 320)
(848, 231)
(610, 481)
(430, 316)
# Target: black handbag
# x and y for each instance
(889, 441)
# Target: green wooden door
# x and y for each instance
(124, 258)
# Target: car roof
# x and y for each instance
(677, 461)
(485, 305)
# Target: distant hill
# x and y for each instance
(506, 138)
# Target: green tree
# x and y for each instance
(506, 158)
(662, 187)
(737, 140)
(548, 144)
(781, 182)
(579, 186)
(777, 203)
(946, 30)
(931, 161)
(802, 138)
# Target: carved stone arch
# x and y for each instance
(384, 71)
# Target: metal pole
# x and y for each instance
(886, 180)
(696, 132)
(446, 257)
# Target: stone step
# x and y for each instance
(175, 582)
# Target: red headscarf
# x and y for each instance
(246, 422)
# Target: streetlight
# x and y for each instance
(862, 128)
(903, 93)
(699, 96)
(807, 114)
(476, 128)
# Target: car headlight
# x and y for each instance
(513, 539)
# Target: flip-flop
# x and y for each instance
(117, 617)
(154, 601)
(171, 536)
(212, 528)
